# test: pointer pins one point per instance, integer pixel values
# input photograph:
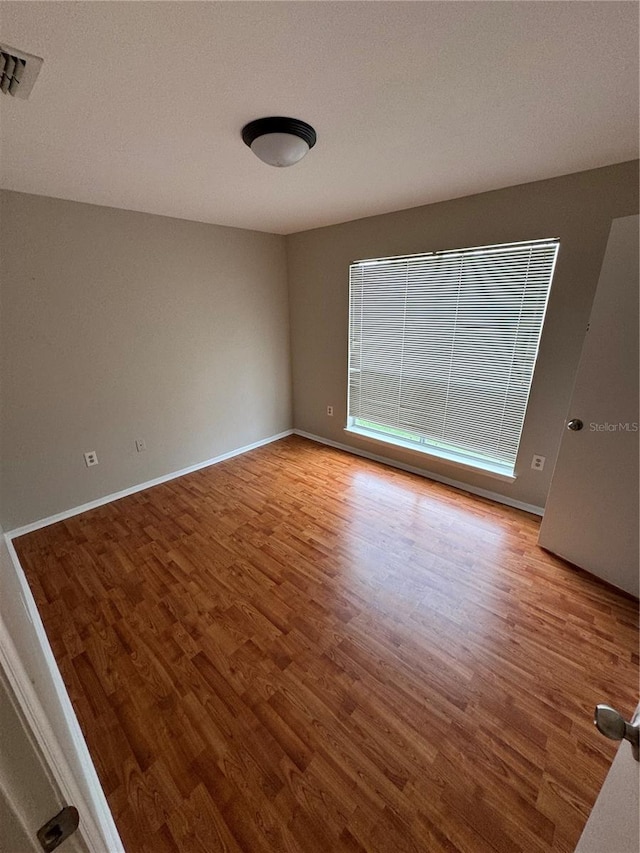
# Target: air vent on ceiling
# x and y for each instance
(18, 71)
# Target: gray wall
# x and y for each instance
(576, 208)
(117, 325)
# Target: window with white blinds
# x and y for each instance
(442, 349)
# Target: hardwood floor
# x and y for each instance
(299, 650)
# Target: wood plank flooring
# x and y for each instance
(299, 650)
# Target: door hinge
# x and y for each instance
(60, 827)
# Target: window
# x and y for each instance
(442, 348)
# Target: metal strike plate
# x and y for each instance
(59, 828)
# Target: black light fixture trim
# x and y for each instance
(278, 124)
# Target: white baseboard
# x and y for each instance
(69, 513)
(484, 493)
(97, 826)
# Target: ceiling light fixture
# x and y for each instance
(279, 141)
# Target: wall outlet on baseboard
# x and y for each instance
(537, 462)
(90, 458)
(330, 411)
(141, 445)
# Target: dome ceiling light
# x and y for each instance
(279, 141)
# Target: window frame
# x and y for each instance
(441, 450)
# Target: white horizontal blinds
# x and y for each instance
(443, 346)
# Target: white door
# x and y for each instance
(35, 689)
(614, 822)
(591, 515)
(28, 795)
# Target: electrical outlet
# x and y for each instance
(141, 445)
(537, 463)
(90, 458)
(330, 411)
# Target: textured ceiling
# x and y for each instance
(140, 105)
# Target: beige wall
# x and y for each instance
(118, 325)
(576, 208)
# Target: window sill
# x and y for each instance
(489, 469)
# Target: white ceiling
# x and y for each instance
(140, 105)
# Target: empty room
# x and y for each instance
(319, 427)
